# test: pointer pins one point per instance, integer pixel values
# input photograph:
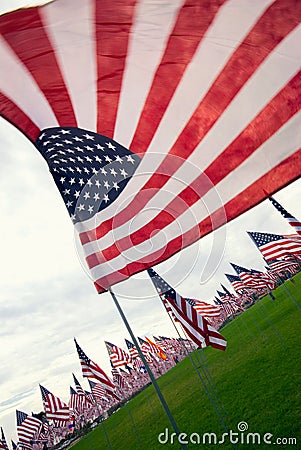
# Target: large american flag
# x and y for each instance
(196, 326)
(55, 408)
(195, 96)
(276, 246)
(295, 223)
(27, 427)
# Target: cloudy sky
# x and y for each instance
(46, 298)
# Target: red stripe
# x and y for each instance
(193, 20)
(283, 174)
(18, 118)
(264, 125)
(30, 43)
(240, 67)
(113, 26)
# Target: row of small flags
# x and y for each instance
(38, 431)
(198, 319)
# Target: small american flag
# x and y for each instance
(118, 356)
(196, 326)
(205, 309)
(91, 370)
(98, 391)
(295, 223)
(3, 443)
(236, 282)
(250, 277)
(55, 409)
(27, 427)
(132, 349)
(276, 246)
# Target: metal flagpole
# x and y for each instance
(150, 373)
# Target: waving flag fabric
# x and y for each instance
(276, 246)
(27, 427)
(118, 356)
(181, 111)
(236, 282)
(55, 409)
(91, 370)
(295, 223)
(196, 326)
(3, 443)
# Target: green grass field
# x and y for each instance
(256, 380)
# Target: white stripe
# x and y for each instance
(212, 54)
(70, 26)
(153, 23)
(181, 319)
(220, 136)
(270, 154)
(20, 87)
(222, 39)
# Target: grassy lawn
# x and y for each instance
(256, 380)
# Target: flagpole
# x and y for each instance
(219, 415)
(150, 373)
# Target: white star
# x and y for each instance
(72, 181)
(103, 171)
(58, 145)
(118, 159)
(67, 142)
(65, 131)
(113, 172)
(61, 152)
(81, 181)
(81, 207)
(88, 136)
(86, 170)
(66, 191)
(79, 149)
(42, 135)
(96, 196)
(90, 209)
(68, 204)
(46, 143)
(115, 185)
(73, 217)
(71, 169)
(86, 195)
(62, 169)
(76, 138)
(123, 173)
(89, 183)
(106, 198)
(77, 194)
(54, 136)
(106, 185)
(72, 160)
(95, 171)
(99, 147)
(110, 145)
(97, 183)
(108, 159)
(97, 158)
(130, 159)
(89, 148)
(79, 159)
(64, 160)
(62, 179)
(78, 170)
(88, 158)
